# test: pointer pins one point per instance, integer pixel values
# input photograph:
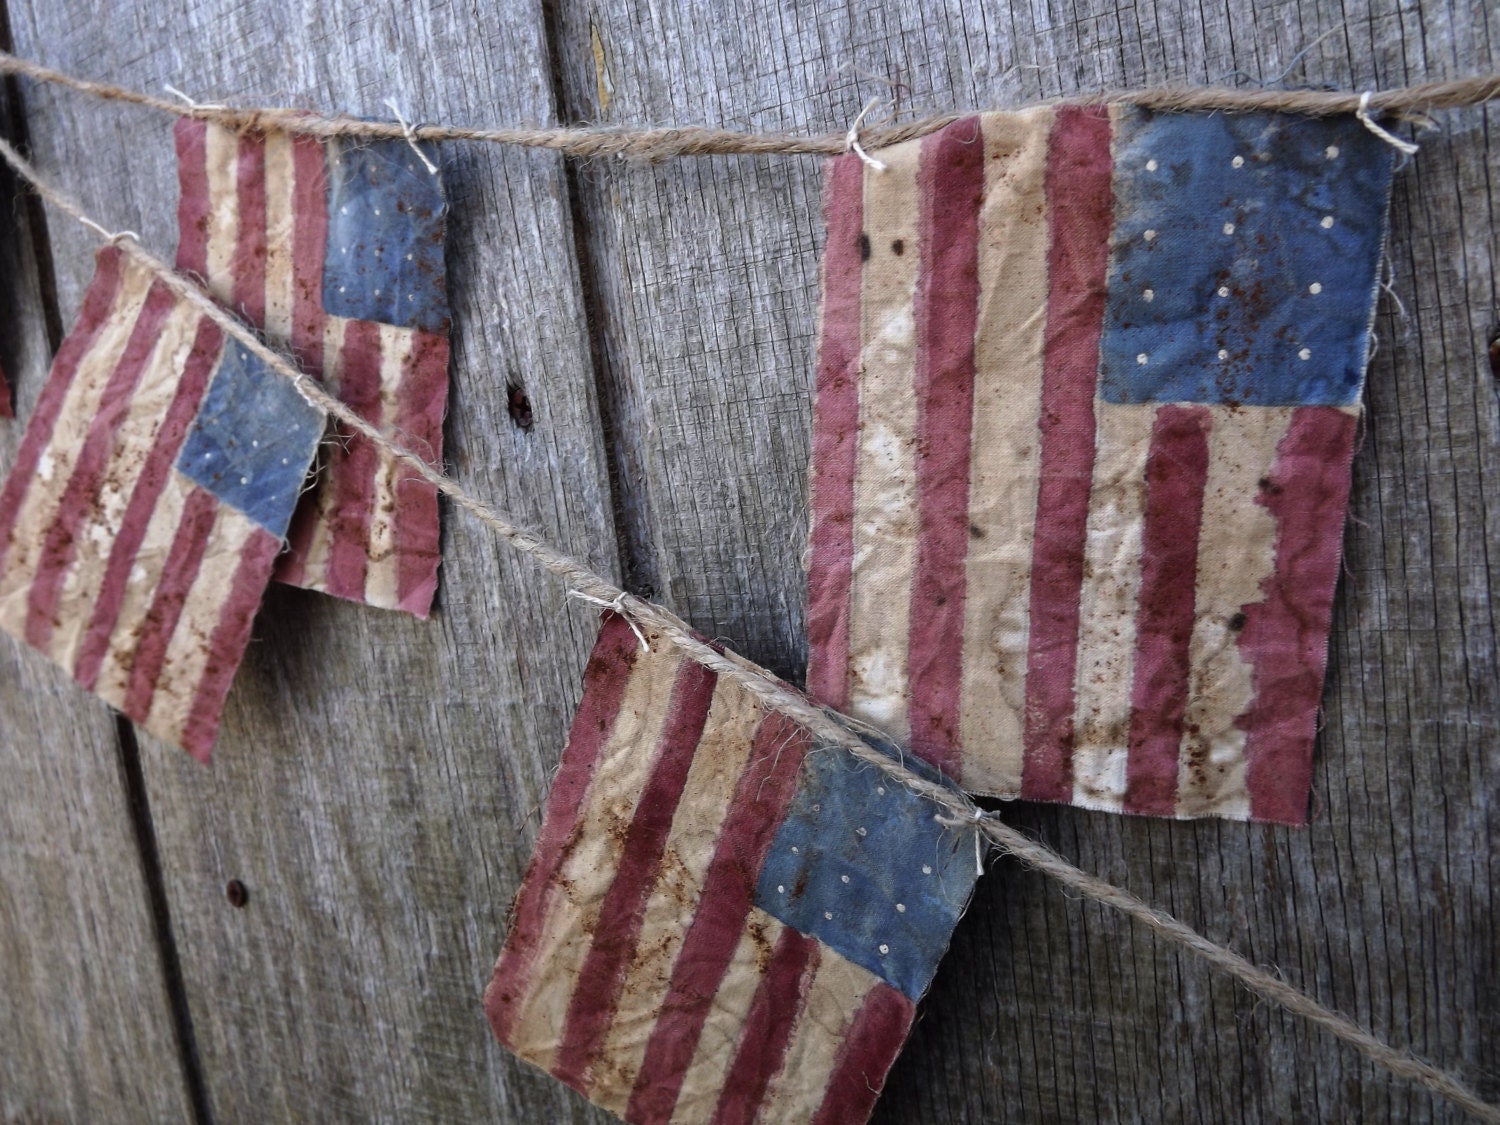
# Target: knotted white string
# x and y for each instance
(851, 138)
(1363, 113)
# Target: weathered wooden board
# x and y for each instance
(705, 275)
(85, 1025)
(374, 784)
(375, 780)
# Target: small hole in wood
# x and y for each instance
(237, 894)
(519, 406)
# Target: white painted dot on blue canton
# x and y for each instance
(1327, 222)
(901, 908)
(1315, 288)
(796, 850)
(1151, 165)
(1228, 228)
(926, 869)
(408, 257)
(1149, 235)
(843, 878)
(344, 210)
(244, 480)
(1305, 353)
(1223, 353)
(254, 443)
(828, 915)
(1237, 162)
(1148, 295)
(817, 807)
(1331, 152)
(377, 212)
(284, 461)
(880, 790)
(781, 888)
(861, 831)
(884, 949)
(1143, 359)
(1223, 290)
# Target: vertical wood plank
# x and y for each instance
(85, 1026)
(377, 779)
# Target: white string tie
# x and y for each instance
(851, 138)
(411, 136)
(191, 104)
(1363, 113)
(617, 603)
(111, 237)
(975, 818)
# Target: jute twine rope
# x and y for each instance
(656, 621)
(699, 140)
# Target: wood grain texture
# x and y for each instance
(1048, 1010)
(85, 1027)
(375, 783)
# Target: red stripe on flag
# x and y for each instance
(309, 248)
(865, 1057)
(604, 681)
(762, 796)
(768, 1028)
(81, 496)
(97, 302)
(623, 911)
(7, 410)
(353, 464)
(1176, 473)
(951, 186)
(836, 437)
(193, 203)
(421, 399)
(157, 470)
(1307, 493)
(181, 570)
(227, 644)
(249, 292)
(1080, 203)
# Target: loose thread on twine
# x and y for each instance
(776, 696)
(699, 140)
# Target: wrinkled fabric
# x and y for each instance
(147, 504)
(335, 249)
(1087, 392)
(720, 921)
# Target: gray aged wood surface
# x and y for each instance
(376, 783)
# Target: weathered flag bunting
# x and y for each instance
(720, 922)
(148, 502)
(335, 249)
(1086, 398)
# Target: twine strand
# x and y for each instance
(698, 140)
(777, 696)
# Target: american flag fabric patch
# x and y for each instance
(1087, 394)
(720, 922)
(335, 249)
(148, 502)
